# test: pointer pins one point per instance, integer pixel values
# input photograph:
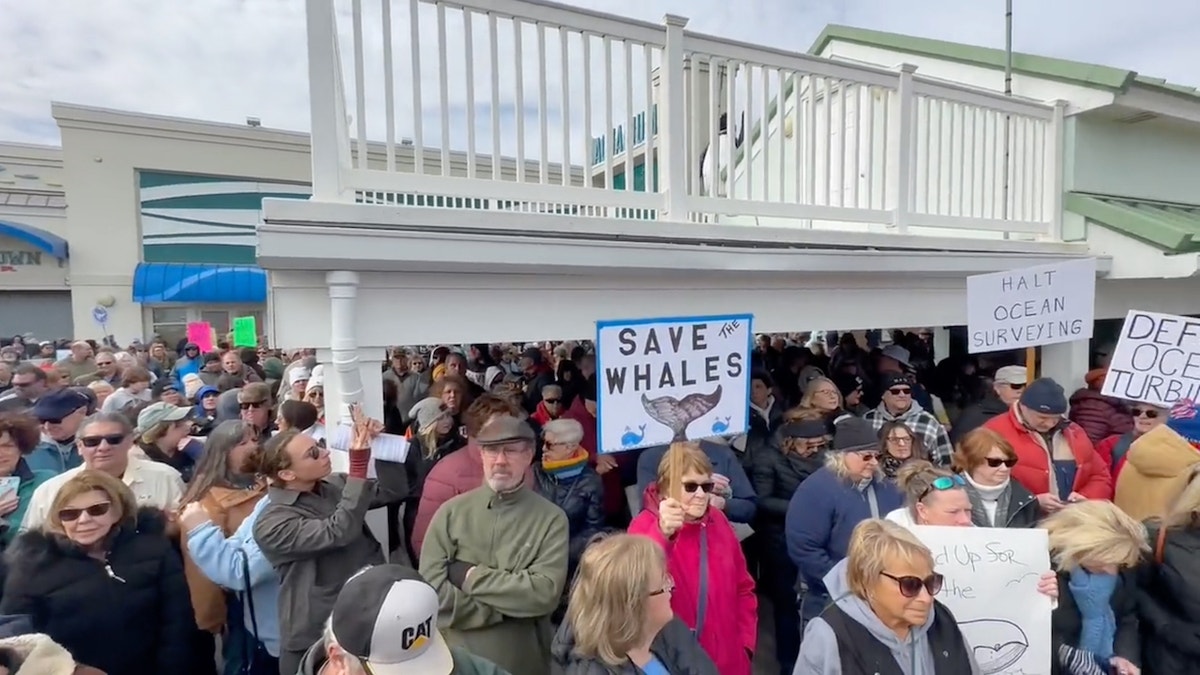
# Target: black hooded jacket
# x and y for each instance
(129, 616)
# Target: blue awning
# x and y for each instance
(183, 282)
(36, 237)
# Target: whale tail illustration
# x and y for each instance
(677, 414)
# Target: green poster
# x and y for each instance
(245, 332)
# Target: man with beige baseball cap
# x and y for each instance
(1007, 385)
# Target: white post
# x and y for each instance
(941, 343)
(1056, 170)
(903, 133)
(1067, 363)
(343, 297)
(325, 100)
(673, 163)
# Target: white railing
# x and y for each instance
(530, 106)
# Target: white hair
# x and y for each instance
(352, 665)
(564, 431)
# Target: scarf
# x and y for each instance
(1001, 494)
(1093, 596)
(566, 468)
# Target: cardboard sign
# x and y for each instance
(201, 333)
(245, 332)
(671, 379)
(1157, 359)
(1029, 307)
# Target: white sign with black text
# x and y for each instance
(1157, 359)
(1029, 307)
(671, 379)
(991, 578)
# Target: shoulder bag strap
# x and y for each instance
(1160, 544)
(248, 596)
(702, 601)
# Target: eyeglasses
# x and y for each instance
(900, 391)
(900, 440)
(95, 511)
(910, 586)
(551, 401)
(313, 452)
(942, 483)
(667, 587)
(1016, 387)
(52, 420)
(95, 441)
(251, 405)
(869, 456)
(1145, 412)
(101, 364)
(691, 487)
(996, 462)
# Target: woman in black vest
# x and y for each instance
(884, 619)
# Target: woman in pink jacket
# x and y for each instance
(714, 594)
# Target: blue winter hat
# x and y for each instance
(1184, 419)
(1045, 396)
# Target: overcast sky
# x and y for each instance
(226, 59)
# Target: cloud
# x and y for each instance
(224, 60)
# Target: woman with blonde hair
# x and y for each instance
(619, 618)
(103, 580)
(884, 608)
(985, 461)
(1169, 585)
(714, 594)
(1095, 626)
(932, 496)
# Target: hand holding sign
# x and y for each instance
(670, 517)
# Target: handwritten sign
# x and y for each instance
(991, 587)
(674, 379)
(245, 332)
(201, 333)
(1157, 359)
(1042, 305)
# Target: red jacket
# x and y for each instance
(1033, 471)
(458, 472)
(731, 615)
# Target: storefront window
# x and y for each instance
(170, 324)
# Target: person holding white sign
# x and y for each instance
(885, 610)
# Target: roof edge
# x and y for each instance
(1063, 70)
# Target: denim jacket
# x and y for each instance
(220, 559)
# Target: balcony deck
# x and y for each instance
(530, 107)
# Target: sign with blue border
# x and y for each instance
(100, 315)
(671, 379)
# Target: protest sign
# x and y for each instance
(1042, 305)
(245, 332)
(201, 334)
(1157, 359)
(991, 587)
(671, 379)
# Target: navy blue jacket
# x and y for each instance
(823, 512)
(739, 508)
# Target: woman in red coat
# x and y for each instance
(1055, 457)
(714, 594)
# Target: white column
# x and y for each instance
(370, 374)
(1066, 363)
(343, 343)
(941, 343)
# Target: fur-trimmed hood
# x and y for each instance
(40, 655)
(35, 547)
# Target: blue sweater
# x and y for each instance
(220, 560)
(54, 457)
(821, 515)
(739, 508)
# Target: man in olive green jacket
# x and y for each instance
(497, 556)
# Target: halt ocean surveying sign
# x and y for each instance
(1031, 307)
(671, 379)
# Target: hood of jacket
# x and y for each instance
(39, 654)
(1162, 453)
(34, 547)
(314, 659)
(913, 410)
(861, 613)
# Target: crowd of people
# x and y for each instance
(168, 510)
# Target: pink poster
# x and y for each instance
(201, 333)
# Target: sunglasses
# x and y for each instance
(900, 391)
(52, 420)
(95, 441)
(551, 401)
(251, 405)
(1148, 414)
(869, 456)
(313, 452)
(996, 462)
(943, 483)
(95, 511)
(707, 486)
(1016, 387)
(910, 587)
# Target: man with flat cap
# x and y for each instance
(497, 556)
